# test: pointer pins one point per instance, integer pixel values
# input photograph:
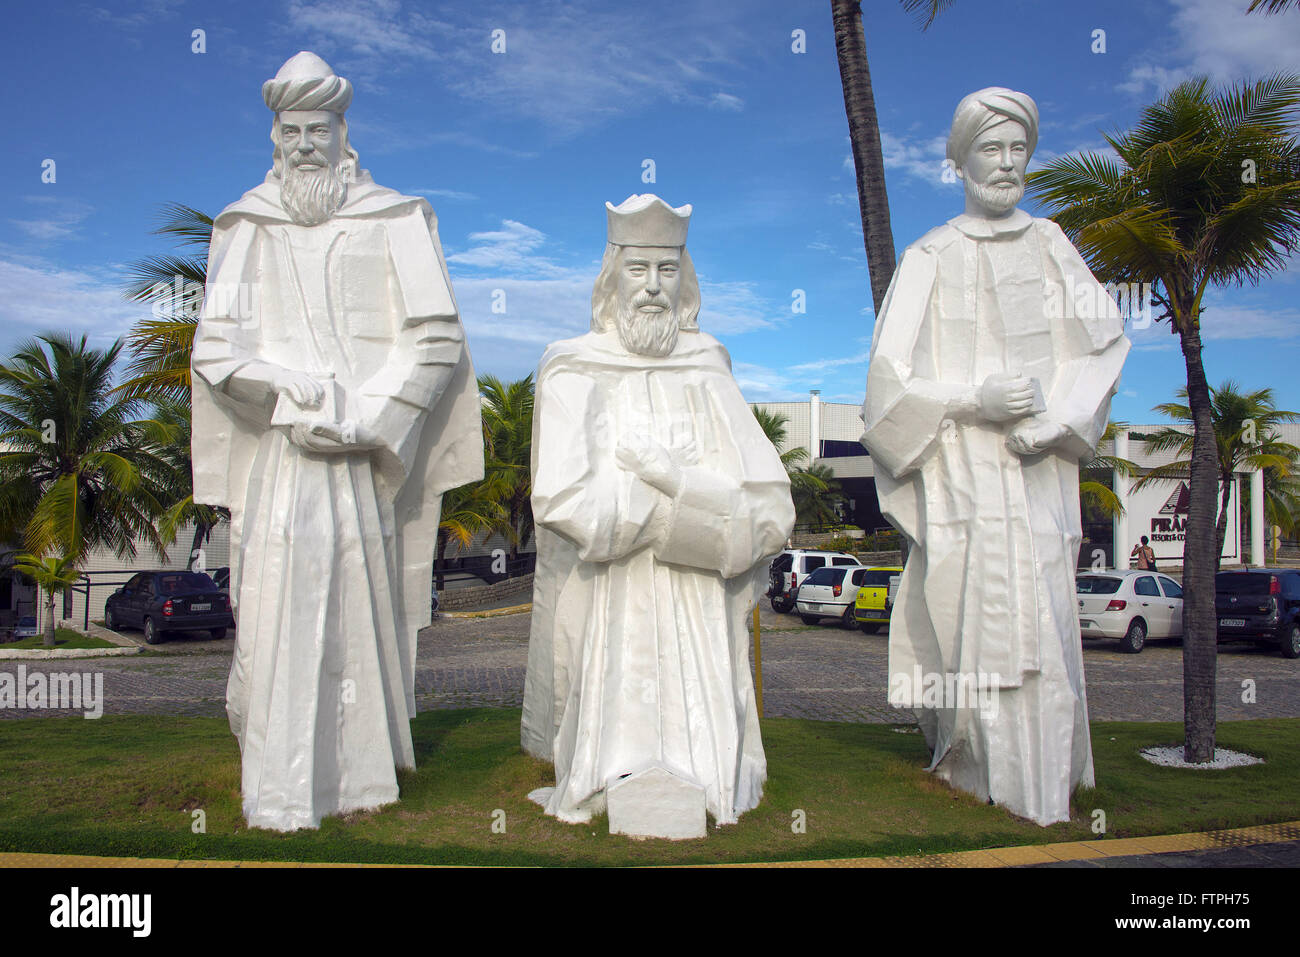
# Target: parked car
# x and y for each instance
(1260, 604)
(874, 603)
(159, 602)
(1131, 605)
(830, 592)
(26, 628)
(792, 566)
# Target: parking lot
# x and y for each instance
(820, 671)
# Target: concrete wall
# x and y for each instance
(454, 599)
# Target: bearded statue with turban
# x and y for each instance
(992, 367)
(333, 402)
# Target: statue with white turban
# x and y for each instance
(658, 500)
(333, 403)
(992, 367)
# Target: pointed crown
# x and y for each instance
(646, 220)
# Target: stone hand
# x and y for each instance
(1030, 438)
(345, 436)
(646, 458)
(1004, 396)
(298, 386)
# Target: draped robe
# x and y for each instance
(988, 591)
(331, 554)
(639, 649)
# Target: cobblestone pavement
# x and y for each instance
(821, 671)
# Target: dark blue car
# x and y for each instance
(1260, 604)
(159, 602)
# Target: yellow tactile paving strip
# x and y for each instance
(490, 613)
(992, 857)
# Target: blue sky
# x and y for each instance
(518, 152)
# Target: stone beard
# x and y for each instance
(995, 197)
(312, 196)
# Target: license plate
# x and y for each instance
(203, 607)
(1087, 624)
(1232, 622)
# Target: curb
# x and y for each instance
(990, 857)
(490, 613)
(40, 654)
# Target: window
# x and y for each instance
(1146, 586)
(1096, 585)
(1172, 588)
(844, 560)
(826, 576)
(811, 562)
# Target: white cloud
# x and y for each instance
(918, 158)
(568, 65)
(1216, 38)
(453, 194)
(512, 249)
(730, 308)
(56, 217)
(820, 365)
(727, 102)
(37, 297)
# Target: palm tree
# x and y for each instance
(78, 469)
(468, 511)
(864, 133)
(171, 429)
(1272, 6)
(1093, 491)
(53, 575)
(1245, 438)
(1205, 189)
(508, 441)
(160, 346)
(816, 495)
(774, 426)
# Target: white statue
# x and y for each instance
(657, 499)
(992, 368)
(334, 401)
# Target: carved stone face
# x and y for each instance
(649, 291)
(309, 139)
(994, 169)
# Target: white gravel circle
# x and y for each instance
(1223, 758)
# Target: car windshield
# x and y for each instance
(1096, 585)
(826, 576)
(1242, 583)
(183, 582)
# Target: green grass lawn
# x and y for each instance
(63, 638)
(126, 785)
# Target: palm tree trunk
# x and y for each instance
(1200, 622)
(48, 640)
(1221, 525)
(200, 533)
(864, 139)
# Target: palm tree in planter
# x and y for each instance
(53, 575)
(1204, 190)
(1094, 492)
(1244, 437)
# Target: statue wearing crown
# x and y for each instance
(657, 499)
(334, 402)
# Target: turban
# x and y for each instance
(985, 109)
(306, 82)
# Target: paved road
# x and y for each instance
(822, 672)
